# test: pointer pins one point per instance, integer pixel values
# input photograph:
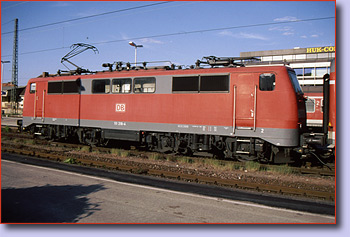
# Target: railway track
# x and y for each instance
(328, 170)
(63, 153)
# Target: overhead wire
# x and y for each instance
(214, 29)
(104, 19)
(14, 5)
(86, 17)
(189, 32)
(7, 22)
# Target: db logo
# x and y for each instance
(120, 107)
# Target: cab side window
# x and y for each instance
(32, 88)
(267, 82)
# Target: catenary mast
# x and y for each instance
(15, 64)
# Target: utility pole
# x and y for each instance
(136, 46)
(15, 66)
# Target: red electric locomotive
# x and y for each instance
(249, 113)
(332, 105)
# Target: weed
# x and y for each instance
(281, 169)
(30, 142)
(232, 166)
(116, 152)
(18, 140)
(186, 160)
(172, 158)
(125, 153)
(121, 153)
(252, 166)
(96, 152)
(156, 156)
(85, 149)
(6, 129)
(70, 160)
(214, 162)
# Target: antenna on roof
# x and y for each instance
(77, 49)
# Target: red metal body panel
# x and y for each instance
(160, 108)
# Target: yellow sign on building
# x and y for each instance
(327, 49)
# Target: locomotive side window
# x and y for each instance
(54, 87)
(32, 88)
(101, 86)
(70, 87)
(310, 105)
(145, 85)
(186, 84)
(267, 82)
(121, 85)
(214, 83)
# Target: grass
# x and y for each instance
(281, 169)
(85, 149)
(252, 166)
(30, 142)
(186, 160)
(6, 129)
(120, 152)
(157, 156)
(209, 163)
(70, 160)
(172, 158)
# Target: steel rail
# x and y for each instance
(295, 170)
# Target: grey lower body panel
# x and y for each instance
(275, 136)
(27, 121)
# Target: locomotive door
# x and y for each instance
(245, 96)
(39, 101)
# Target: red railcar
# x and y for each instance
(243, 112)
(332, 105)
(314, 110)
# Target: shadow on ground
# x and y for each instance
(48, 204)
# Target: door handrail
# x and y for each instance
(35, 104)
(255, 98)
(234, 108)
(43, 108)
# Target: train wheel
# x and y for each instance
(90, 138)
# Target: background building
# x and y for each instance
(8, 107)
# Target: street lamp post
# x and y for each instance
(136, 46)
(2, 78)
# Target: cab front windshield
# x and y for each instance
(295, 82)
